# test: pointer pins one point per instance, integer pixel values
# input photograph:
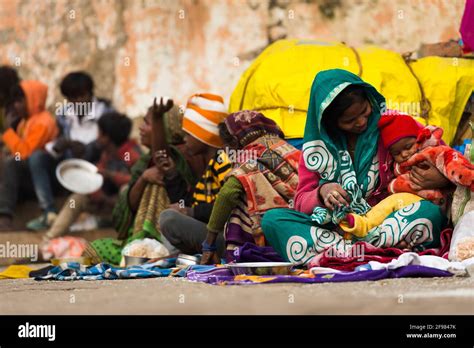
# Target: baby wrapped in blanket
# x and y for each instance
(410, 146)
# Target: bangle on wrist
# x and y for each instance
(209, 247)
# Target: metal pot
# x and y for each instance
(134, 260)
(187, 260)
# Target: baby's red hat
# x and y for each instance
(395, 127)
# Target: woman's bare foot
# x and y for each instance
(403, 245)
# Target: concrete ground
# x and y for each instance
(178, 296)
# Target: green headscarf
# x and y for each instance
(321, 153)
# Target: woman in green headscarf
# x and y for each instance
(345, 168)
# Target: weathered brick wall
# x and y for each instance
(139, 48)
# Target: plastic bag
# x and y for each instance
(462, 242)
(149, 248)
(63, 247)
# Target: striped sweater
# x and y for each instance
(212, 180)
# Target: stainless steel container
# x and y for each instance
(187, 260)
(134, 260)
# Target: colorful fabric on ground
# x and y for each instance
(202, 115)
(252, 253)
(361, 252)
(269, 181)
(454, 267)
(212, 180)
(16, 272)
(103, 271)
(224, 276)
(299, 239)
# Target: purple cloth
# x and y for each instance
(213, 276)
(252, 253)
(467, 26)
(222, 276)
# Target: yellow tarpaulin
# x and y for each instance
(278, 82)
(16, 272)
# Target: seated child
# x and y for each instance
(410, 146)
(118, 155)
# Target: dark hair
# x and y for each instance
(224, 133)
(341, 103)
(8, 78)
(16, 94)
(116, 126)
(77, 84)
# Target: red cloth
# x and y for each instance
(467, 26)
(372, 253)
(395, 127)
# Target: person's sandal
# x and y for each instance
(42, 222)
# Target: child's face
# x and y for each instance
(403, 149)
(20, 109)
(102, 140)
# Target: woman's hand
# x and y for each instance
(209, 250)
(165, 163)
(153, 176)
(333, 195)
(426, 176)
(158, 110)
(210, 258)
